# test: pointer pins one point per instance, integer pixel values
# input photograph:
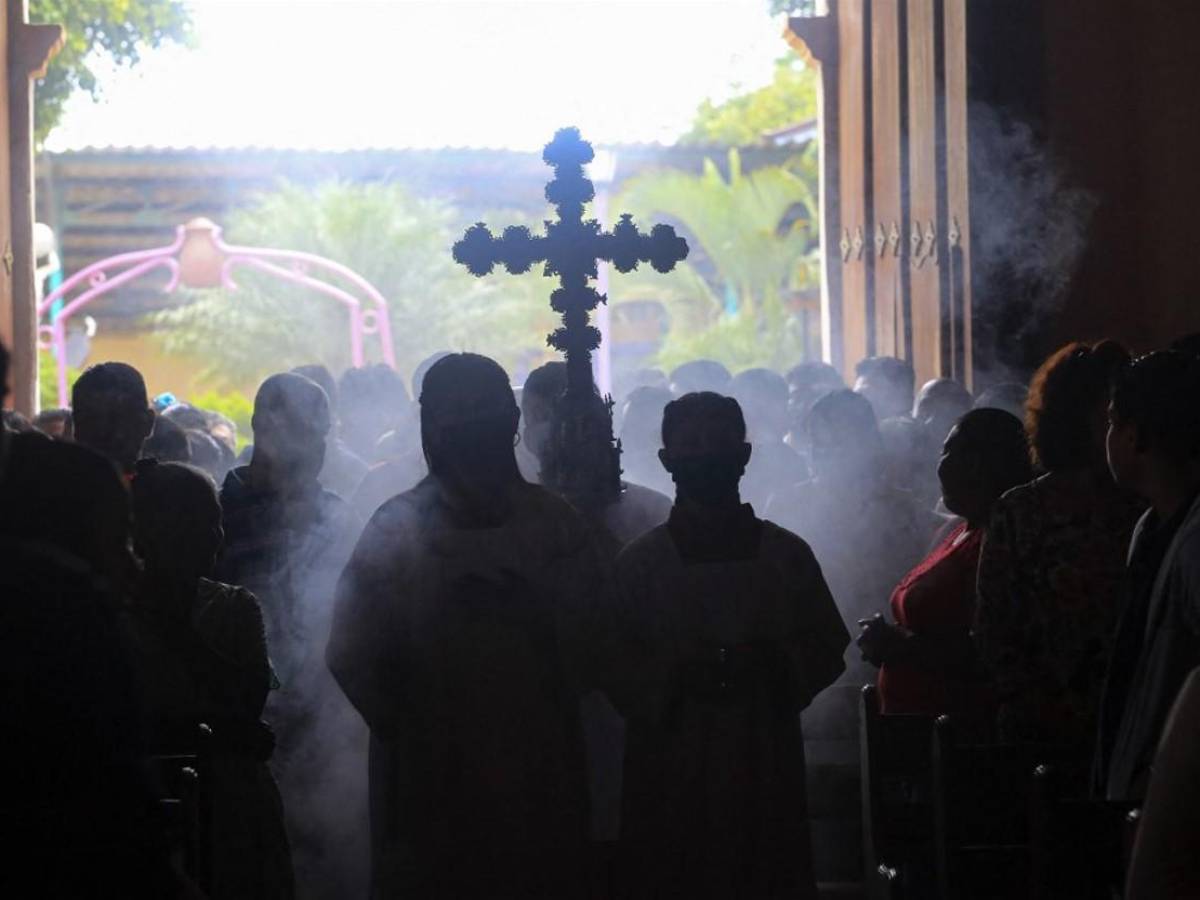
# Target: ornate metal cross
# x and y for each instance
(583, 460)
(570, 249)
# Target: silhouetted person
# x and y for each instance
(403, 461)
(910, 460)
(744, 634)
(939, 404)
(286, 541)
(57, 423)
(763, 397)
(700, 375)
(542, 388)
(887, 383)
(865, 533)
(78, 816)
(1052, 560)
(167, 442)
(372, 401)
(925, 657)
(1009, 396)
(473, 616)
(807, 383)
(641, 438)
(202, 655)
(1154, 450)
(343, 470)
(112, 412)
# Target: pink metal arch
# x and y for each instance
(199, 257)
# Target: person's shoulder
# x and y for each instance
(404, 508)
(648, 547)
(228, 599)
(642, 495)
(778, 541)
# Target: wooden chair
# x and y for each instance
(1079, 847)
(982, 806)
(897, 801)
(179, 781)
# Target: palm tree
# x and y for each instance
(753, 247)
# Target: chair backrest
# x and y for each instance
(181, 786)
(982, 805)
(896, 762)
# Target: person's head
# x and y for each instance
(187, 417)
(206, 453)
(290, 423)
(887, 383)
(811, 380)
(1154, 419)
(422, 369)
(469, 420)
(15, 422)
(1010, 396)
(56, 423)
(177, 520)
(763, 396)
(700, 376)
(940, 403)
(843, 439)
(704, 448)
(541, 390)
(70, 497)
(985, 455)
(112, 412)
(372, 400)
(911, 459)
(1066, 415)
(641, 428)
(167, 442)
(320, 375)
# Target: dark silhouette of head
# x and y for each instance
(940, 404)
(469, 420)
(320, 375)
(1067, 410)
(1155, 419)
(290, 423)
(539, 394)
(372, 401)
(985, 455)
(187, 416)
(843, 439)
(887, 383)
(167, 442)
(1009, 396)
(704, 448)
(641, 428)
(699, 376)
(112, 412)
(57, 423)
(69, 497)
(177, 520)
(205, 452)
(763, 396)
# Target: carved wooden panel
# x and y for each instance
(852, 133)
(923, 232)
(888, 175)
(958, 225)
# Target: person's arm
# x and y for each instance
(1164, 862)
(816, 649)
(883, 642)
(364, 653)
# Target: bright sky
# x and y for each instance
(339, 74)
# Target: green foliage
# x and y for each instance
(793, 7)
(119, 29)
(791, 97)
(399, 243)
(233, 405)
(48, 380)
(753, 243)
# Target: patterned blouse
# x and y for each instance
(1050, 574)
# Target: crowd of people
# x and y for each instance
(413, 670)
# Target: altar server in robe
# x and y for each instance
(744, 634)
(473, 615)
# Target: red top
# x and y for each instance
(936, 598)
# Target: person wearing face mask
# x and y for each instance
(474, 615)
(743, 632)
(286, 541)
